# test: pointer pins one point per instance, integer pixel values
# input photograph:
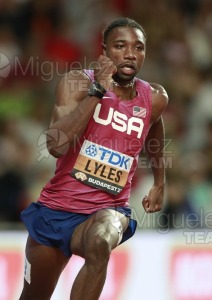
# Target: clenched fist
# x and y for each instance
(103, 73)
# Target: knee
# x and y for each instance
(98, 249)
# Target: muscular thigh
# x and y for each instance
(42, 270)
(107, 221)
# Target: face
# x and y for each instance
(125, 46)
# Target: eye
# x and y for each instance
(139, 48)
(119, 46)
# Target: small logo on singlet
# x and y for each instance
(80, 176)
(91, 150)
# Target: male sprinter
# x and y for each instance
(106, 115)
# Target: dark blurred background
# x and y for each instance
(41, 40)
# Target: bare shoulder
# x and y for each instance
(158, 89)
(159, 101)
(72, 86)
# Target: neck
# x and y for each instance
(130, 84)
(124, 92)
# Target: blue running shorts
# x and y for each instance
(54, 228)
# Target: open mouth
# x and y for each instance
(128, 68)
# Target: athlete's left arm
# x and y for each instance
(154, 148)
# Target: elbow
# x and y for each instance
(59, 143)
(54, 151)
(56, 148)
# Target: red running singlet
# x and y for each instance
(97, 172)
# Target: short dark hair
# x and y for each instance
(125, 22)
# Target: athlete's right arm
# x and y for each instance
(74, 107)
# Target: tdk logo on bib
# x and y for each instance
(108, 156)
(114, 158)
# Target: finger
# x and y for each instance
(152, 209)
(101, 62)
(145, 206)
(103, 68)
(115, 70)
(158, 207)
(145, 203)
(108, 68)
(145, 197)
(103, 59)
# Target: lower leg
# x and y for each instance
(100, 235)
(89, 282)
(45, 265)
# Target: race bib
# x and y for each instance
(102, 168)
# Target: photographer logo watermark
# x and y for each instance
(198, 237)
(5, 65)
(55, 136)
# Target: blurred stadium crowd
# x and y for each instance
(40, 40)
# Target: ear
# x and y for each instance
(103, 49)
